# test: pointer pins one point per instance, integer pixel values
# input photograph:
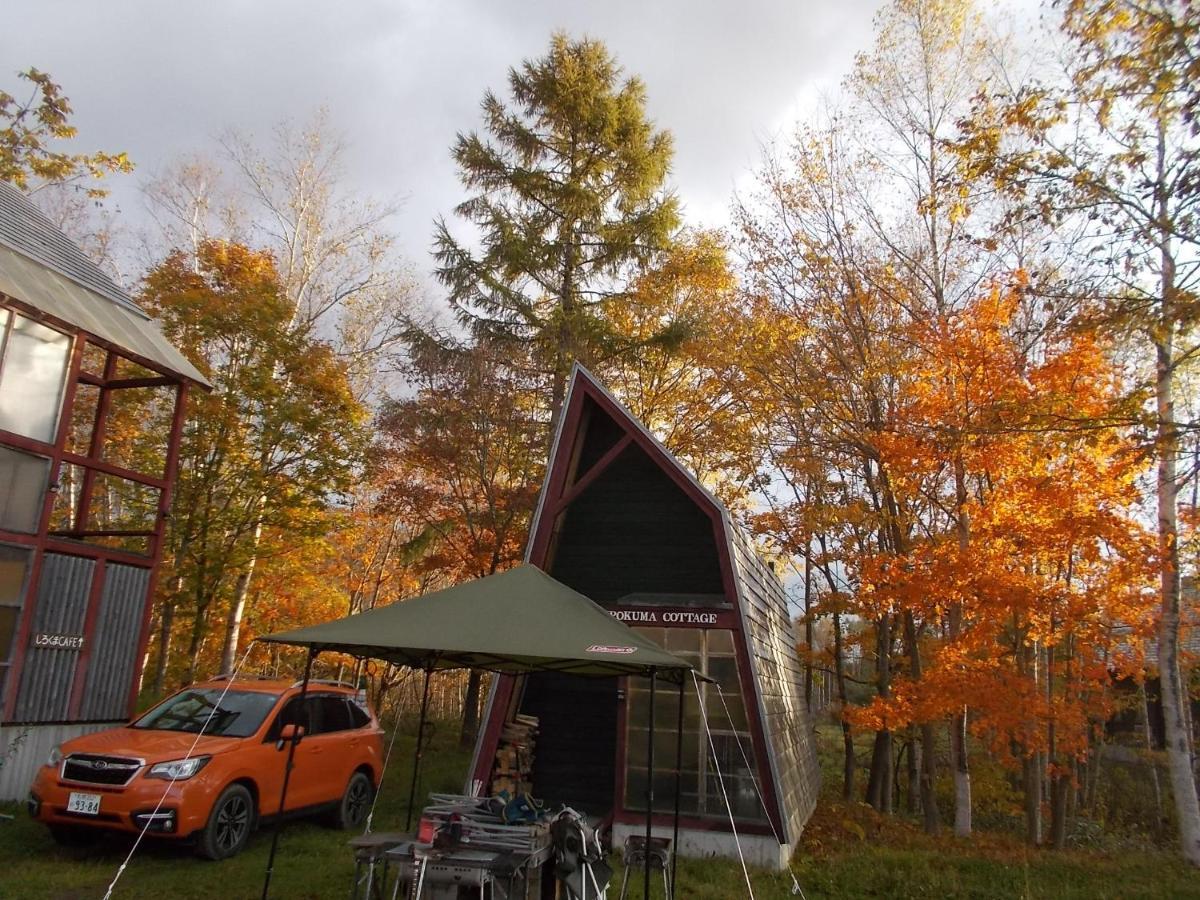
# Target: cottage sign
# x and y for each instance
(655, 617)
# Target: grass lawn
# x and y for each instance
(848, 851)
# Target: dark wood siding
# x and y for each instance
(635, 531)
(575, 755)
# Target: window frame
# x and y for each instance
(710, 804)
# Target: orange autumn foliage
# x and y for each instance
(1051, 560)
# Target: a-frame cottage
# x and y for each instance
(622, 521)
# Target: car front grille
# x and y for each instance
(90, 768)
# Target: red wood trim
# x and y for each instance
(555, 485)
(95, 595)
(117, 384)
(101, 533)
(99, 465)
(73, 548)
(94, 551)
(490, 743)
(39, 541)
(96, 445)
(29, 445)
(156, 544)
(89, 378)
(590, 476)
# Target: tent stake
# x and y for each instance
(678, 778)
(412, 790)
(287, 774)
(649, 791)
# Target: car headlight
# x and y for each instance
(55, 756)
(178, 769)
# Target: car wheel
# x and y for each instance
(229, 824)
(356, 802)
(74, 835)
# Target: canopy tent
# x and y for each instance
(517, 621)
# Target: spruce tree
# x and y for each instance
(568, 202)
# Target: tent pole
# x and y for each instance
(412, 790)
(649, 791)
(678, 778)
(287, 774)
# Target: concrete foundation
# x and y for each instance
(764, 852)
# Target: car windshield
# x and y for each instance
(237, 714)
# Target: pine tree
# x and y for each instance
(569, 202)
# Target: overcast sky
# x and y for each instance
(161, 79)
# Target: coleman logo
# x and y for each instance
(610, 648)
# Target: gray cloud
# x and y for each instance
(161, 79)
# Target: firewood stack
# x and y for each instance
(513, 771)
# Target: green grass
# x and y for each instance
(848, 851)
(313, 860)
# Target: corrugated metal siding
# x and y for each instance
(779, 674)
(24, 748)
(46, 678)
(114, 642)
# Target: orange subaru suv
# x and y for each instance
(142, 776)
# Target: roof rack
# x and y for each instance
(244, 678)
(333, 682)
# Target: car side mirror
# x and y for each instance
(289, 734)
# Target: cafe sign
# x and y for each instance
(48, 641)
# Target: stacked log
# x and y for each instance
(513, 768)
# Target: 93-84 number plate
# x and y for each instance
(87, 804)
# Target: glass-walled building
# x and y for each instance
(91, 407)
(621, 521)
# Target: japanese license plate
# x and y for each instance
(88, 804)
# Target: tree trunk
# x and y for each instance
(839, 666)
(233, 622)
(931, 817)
(1059, 785)
(237, 608)
(913, 771)
(164, 648)
(879, 779)
(470, 715)
(1032, 772)
(808, 630)
(196, 644)
(1173, 693)
(962, 776)
(958, 737)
